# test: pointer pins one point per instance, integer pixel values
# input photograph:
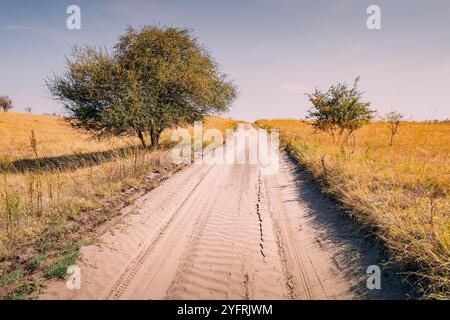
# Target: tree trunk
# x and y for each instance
(154, 135)
(141, 137)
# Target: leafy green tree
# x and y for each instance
(340, 111)
(156, 78)
(5, 103)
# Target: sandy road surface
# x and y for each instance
(228, 232)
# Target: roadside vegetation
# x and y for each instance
(398, 188)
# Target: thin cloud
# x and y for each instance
(294, 87)
(20, 27)
(46, 32)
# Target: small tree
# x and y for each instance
(28, 110)
(393, 119)
(5, 103)
(340, 111)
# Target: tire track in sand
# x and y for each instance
(124, 281)
(208, 241)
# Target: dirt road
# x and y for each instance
(229, 232)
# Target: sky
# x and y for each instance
(274, 50)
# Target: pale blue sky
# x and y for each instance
(274, 49)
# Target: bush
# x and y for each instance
(5, 103)
(339, 111)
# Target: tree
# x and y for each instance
(155, 79)
(28, 109)
(5, 103)
(340, 111)
(393, 120)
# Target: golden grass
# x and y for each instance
(33, 201)
(54, 137)
(401, 192)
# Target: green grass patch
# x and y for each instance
(35, 263)
(25, 290)
(10, 278)
(59, 269)
(68, 256)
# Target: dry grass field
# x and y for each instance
(43, 209)
(54, 136)
(402, 192)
